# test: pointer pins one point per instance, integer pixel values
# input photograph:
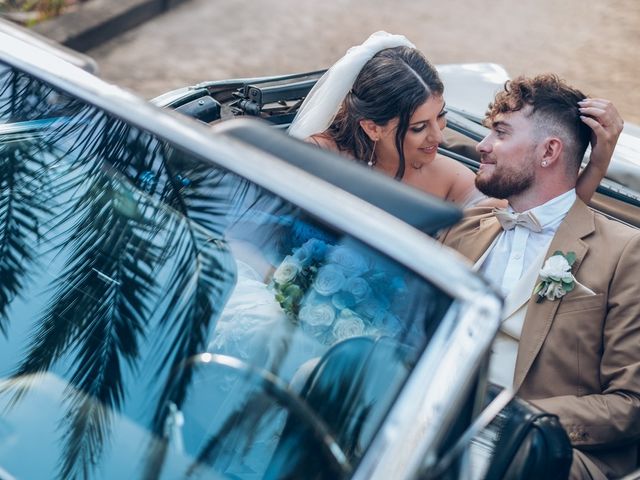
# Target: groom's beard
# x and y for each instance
(505, 182)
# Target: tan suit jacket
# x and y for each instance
(579, 357)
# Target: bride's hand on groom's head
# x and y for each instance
(606, 125)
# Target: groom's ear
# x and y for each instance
(372, 129)
(552, 151)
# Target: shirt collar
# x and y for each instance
(554, 211)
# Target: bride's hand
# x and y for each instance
(606, 125)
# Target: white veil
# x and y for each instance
(323, 101)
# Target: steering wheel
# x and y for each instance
(277, 389)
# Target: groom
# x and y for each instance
(570, 337)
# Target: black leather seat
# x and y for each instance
(531, 444)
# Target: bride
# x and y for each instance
(382, 104)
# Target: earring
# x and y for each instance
(371, 161)
(544, 164)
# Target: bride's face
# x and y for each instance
(423, 135)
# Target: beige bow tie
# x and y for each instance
(509, 220)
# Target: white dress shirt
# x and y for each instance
(512, 256)
(513, 250)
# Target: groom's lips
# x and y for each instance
(485, 162)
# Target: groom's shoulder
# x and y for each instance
(471, 221)
(611, 227)
(615, 234)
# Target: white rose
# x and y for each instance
(358, 287)
(322, 314)
(556, 268)
(352, 262)
(555, 290)
(347, 327)
(287, 270)
(329, 280)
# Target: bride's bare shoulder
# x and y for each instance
(460, 181)
(323, 140)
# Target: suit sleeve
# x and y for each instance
(612, 417)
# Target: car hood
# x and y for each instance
(469, 87)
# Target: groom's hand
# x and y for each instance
(606, 125)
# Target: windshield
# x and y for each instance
(162, 317)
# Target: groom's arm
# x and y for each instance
(612, 417)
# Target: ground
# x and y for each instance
(593, 44)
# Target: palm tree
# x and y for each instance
(116, 230)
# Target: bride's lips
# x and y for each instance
(429, 150)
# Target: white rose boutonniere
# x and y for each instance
(556, 279)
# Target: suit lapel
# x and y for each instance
(577, 224)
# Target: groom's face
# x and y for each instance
(507, 156)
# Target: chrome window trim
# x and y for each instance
(410, 422)
(380, 230)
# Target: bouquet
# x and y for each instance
(334, 292)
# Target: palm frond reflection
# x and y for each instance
(82, 196)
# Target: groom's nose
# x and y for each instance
(484, 146)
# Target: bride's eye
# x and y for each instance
(443, 113)
(418, 128)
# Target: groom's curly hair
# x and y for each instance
(554, 108)
(393, 84)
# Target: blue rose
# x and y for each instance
(351, 262)
(358, 287)
(329, 280)
(342, 300)
(311, 251)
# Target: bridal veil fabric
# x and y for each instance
(321, 105)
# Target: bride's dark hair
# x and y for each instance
(393, 84)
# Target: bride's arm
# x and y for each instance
(463, 191)
(606, 125)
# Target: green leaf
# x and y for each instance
(571, 257)
(568, 287)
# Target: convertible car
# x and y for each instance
(194, 295)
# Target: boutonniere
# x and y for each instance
(556, 279)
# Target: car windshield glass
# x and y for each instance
(162, 317)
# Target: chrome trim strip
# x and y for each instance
(417, 421)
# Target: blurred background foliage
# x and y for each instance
(30, 12)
